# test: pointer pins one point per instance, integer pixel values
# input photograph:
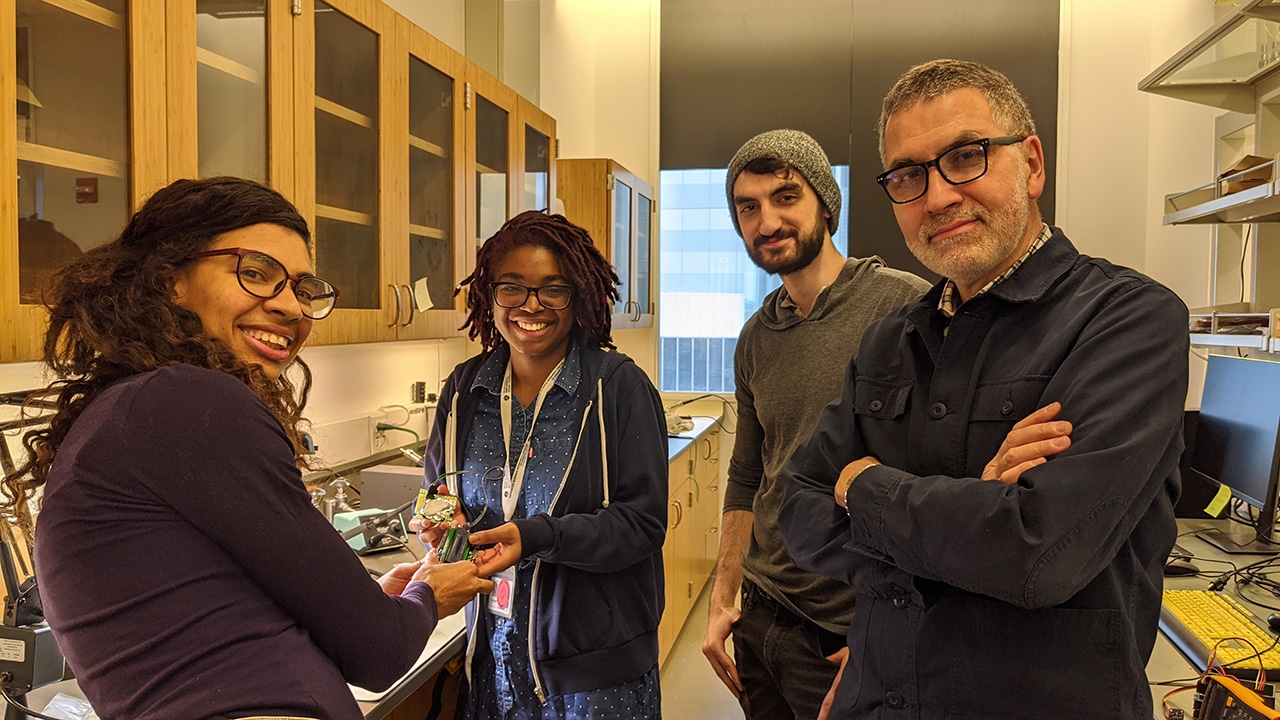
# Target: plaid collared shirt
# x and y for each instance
(949, 302)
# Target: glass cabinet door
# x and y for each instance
(231, 82)
(491, 168)
(537, 169)
(644, 217)
(347, 173)
(621, 243)
(73, 189)
(431, 188)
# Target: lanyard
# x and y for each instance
(512, 483)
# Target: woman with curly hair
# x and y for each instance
(181, 564)
(556, 445)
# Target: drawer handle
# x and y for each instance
(399, 307)
(413, 301)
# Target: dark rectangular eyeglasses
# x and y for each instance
(263, 276)
(514, 295)
(962, 164)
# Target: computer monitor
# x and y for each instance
(1238, 446)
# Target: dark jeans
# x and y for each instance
(781, 660)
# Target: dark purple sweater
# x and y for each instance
(186, 574)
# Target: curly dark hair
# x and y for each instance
(595, 284)
(112, 315)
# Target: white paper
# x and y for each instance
(422, 295)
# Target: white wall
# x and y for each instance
(352, 380)
(1121, 150)
(446, 20)
(600, 82)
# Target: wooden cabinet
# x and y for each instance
(693, 533)
(537, 170)
(434, 253)
(617, 208)
(345, 127)
(708, 505)
(400, 153)
(81, 143)
(675, 561)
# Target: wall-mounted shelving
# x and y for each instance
(1235, 66)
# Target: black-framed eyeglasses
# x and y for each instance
(961, 164)
(514, 295)
(263, 276)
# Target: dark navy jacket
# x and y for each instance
(597, 556)
(984, 600)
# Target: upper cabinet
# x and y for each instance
(344, 119)
(537, 171)
(617, 209)
(82, 141)
(401, 154)
(436, 251)
(1233, 66)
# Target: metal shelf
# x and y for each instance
(1252, 205)
(1222, 66)
(1256, 342)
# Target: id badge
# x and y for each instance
(502, 598)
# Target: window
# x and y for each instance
(709, 284)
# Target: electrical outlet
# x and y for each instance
(419, 392)
(378, 440)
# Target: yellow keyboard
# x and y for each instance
(1198, 620)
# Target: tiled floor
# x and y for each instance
(690, 688)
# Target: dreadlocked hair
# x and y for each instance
(595, 284)
(112, 315)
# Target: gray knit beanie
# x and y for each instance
(799, 151)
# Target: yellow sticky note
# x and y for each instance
(422, 295)
(1219, 501)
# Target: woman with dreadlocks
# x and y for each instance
(557, 447)
(180, 562)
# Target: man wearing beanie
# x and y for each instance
(789, 363)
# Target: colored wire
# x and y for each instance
(382, 427)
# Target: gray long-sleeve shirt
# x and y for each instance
(788, 367)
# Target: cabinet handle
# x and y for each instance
(679, 513)
(399, 308)
(638, 313)
(413, 302)
(709, 448)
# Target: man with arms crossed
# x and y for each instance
(1029, 584)
(785, 204)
